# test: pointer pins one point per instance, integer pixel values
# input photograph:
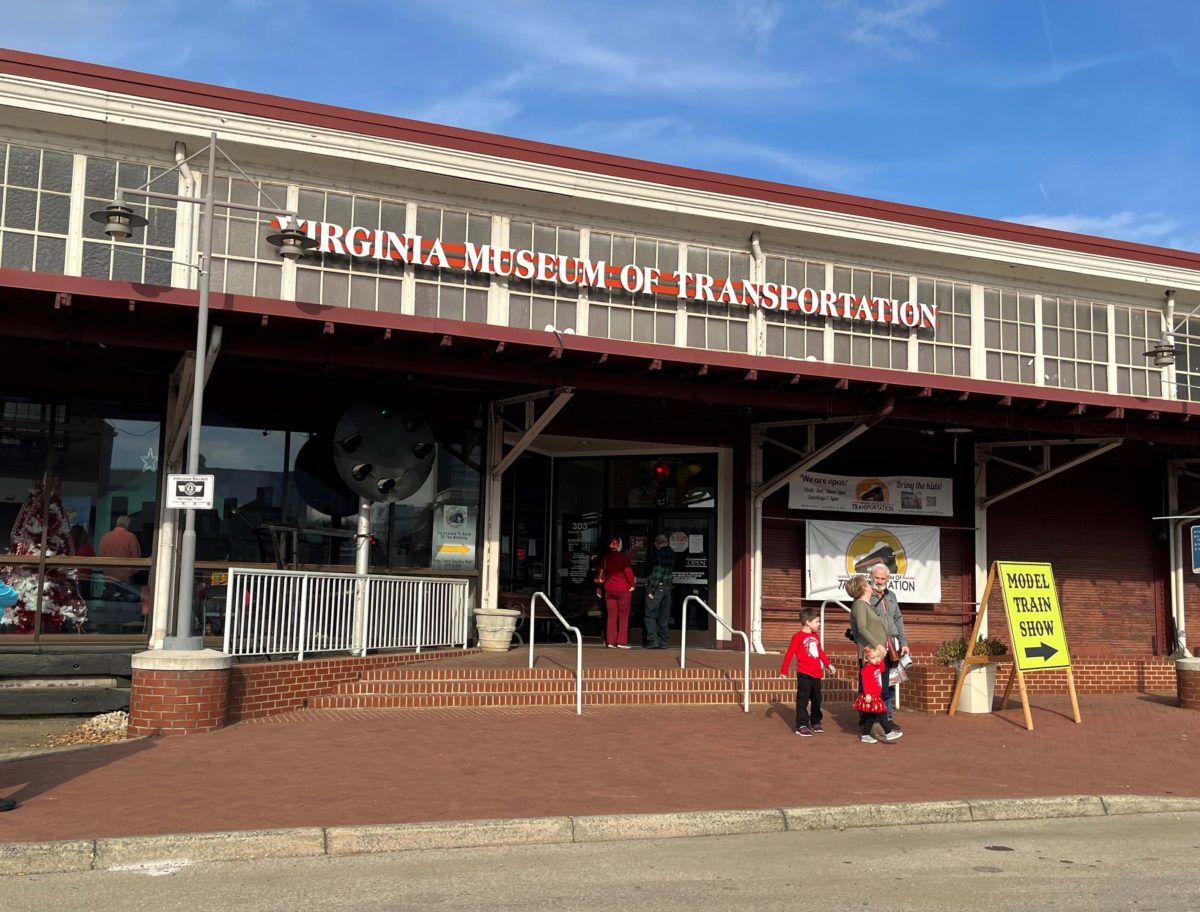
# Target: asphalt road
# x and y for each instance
(1147, 863)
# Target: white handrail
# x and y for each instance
(847, 610)
(578, 645)
(683, 645)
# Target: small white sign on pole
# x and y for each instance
(190, 492)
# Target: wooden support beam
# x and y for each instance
(328, 329)
(842, 384)
(62, 299)
(1004, 401)
(750, 376)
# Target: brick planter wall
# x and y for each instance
(178, 693)
(269, 688)
(1188, 677)
(930, 686)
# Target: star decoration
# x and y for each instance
(150, 461)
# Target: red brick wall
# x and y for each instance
(269, 688)
(1093, 524)
(930, 686)
(177, 702)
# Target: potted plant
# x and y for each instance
(978, 689)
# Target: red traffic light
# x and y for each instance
(661, 470)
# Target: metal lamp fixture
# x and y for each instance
(291, 242)
(120, 221)
(1163, 354)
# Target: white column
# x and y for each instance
(362, 566)
(981, 553)
(489, 582)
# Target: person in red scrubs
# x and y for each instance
(615, 576)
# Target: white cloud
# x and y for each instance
(1140, 227)
(895, 26)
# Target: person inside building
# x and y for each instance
(119, 542)
(657, 610)
(615, 576)
(885, 605)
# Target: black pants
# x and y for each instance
(808, 690)
(866, 721)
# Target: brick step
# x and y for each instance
(539, 674)
(539, 698)
(556, 685)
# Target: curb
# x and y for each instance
(178, 850)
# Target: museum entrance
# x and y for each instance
(560, 513)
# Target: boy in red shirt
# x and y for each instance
(874, 725)
(810, 664)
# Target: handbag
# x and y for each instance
(893, 654)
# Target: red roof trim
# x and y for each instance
(53, 69)
(668, 354)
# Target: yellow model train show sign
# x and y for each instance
(1034, 616)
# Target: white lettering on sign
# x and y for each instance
(380, 244)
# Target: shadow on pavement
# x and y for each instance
(34, 776)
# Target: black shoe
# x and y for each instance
(7, 804)
(895, 726)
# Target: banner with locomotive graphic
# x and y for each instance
(897, 494)
(836, 551)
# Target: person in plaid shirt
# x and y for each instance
(657, 610)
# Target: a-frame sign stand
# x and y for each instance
(1035, 629)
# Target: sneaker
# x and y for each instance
(804, 731)
(867, 739)
(612, 645)
(894, 735)
(816, 729)
(624, 646)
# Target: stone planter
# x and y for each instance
(495, 627)
(979, 687)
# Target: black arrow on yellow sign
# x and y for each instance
(1043, 652)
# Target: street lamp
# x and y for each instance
(119, 223)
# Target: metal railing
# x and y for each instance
(578, 644)
(280, 612)
(745, 640)
(847, 610)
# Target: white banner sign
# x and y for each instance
(895, 494)
(837, 551)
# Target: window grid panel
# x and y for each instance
(1187, 358)
(614, 313)
(946, 348)
(333, 280)
(35, 208)
(864, 343)
(243, 261)
(1010, 335)
(1075, 341)
(145, 256)
(537, 305)
(451, 294)
(790, 333)
(1135, 331)
(716, 325)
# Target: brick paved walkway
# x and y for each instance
(379, 766)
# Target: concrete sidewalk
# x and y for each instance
(354, 767)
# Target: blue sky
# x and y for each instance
(1074, 114)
